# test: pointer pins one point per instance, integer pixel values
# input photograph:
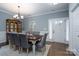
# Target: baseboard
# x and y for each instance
(62, 42)
(74, 51)
(49, 42)
(65, 42)
(3, 44)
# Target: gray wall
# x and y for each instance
(25, 24)
(42, 20)
(74, 28)
(3, 17)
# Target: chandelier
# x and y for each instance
(18, 15)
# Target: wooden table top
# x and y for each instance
(34, 37)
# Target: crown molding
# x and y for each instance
(77, 5)
(35, 15)
(4, 11)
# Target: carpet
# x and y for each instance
(7, 51)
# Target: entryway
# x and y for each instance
(58, 30)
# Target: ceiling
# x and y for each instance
(30, 9)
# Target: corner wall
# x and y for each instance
(74, 28)
(3, 17)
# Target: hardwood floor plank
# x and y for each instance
(59, 49)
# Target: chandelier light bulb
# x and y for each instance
(18, 16)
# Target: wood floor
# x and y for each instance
(59, 49)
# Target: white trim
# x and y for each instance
(50, 29)
(51, 32)
(48, 13)
(75, 7)
(74, 51)
(34, 15)
(5, 12)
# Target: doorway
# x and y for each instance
(58, 30)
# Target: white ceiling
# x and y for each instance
(32, 8)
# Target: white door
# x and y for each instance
(59, 30)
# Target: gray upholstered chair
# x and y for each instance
(8, 37)
(41, 44)
(24, 42)
(12, 40)
(17, 41)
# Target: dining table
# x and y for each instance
(34, 38)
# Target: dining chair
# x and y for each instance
(41, 44)
(8, 36)
(17, 42)
(11, 40)
(24, 42)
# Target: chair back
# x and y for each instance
(12, 38)
(8, 36)
(24, 40)
(17, 40)
(43, 41)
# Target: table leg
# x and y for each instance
(33, 47)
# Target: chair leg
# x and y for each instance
(19, 50)
(10, 44)
(43, 50)
(14, 47)
(27, 51)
